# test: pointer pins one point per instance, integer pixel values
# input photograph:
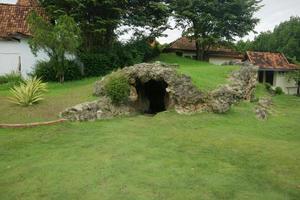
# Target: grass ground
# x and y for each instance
(59, 97)
(205, 75)
(169, 156)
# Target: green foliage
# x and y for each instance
(100, 19)
(213, 22)
(268, 86)
(243, 46)
(278, 91)
(120, 55)
(117, 87)
(46, 71)
(58, 40)
(295, 76)
(29, 92)
(285, 38)
(11, 78)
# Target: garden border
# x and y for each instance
(30, 125)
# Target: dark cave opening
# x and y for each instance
(153, 96)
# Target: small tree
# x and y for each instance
(295, 76)
(58, 40)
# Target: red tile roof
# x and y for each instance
(13, 18)
(186, 44)
(271, 61)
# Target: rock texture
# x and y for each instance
(262, 110)
(241, 87)
(181, 94)
(100, 109)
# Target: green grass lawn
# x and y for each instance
(169, 156)
(205, 75)
(59, 97)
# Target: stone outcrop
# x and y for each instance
(262, 109)
(178, 93)
(182, 94)
(100, 109)
(241, 87)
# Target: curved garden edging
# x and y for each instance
(30, 125)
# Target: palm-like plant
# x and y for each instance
(29, 92)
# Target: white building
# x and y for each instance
(15, 53)
(217, 55)
(273, 68)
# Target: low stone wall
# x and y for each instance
(183, 95)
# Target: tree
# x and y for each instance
(265, 42)
(285, 39)
(99, 19)
(210, 22)
(295, 76)
(243, 46)
(58, 40)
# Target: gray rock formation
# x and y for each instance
(241, 87)
(178, 92)
(262, 110)
(158, 87)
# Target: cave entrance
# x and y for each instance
(153, 96)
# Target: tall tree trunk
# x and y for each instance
(109, 37)
(199, 51)
(298, 89)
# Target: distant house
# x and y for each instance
(272, 69)
(15, 53)
(217, 55)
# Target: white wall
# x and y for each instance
(280, 80)
(10, 51)
(220, 60)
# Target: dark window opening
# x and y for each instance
(261, 76)
(270, 77)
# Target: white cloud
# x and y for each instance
(273, 12)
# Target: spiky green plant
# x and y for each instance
(29, 92)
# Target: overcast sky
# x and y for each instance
(273, 12)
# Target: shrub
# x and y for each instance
(29, 92)
(98, 64)
(268, 86)
(11, 78)
(46, 71)
(278, 91)
(116, 87)
(104, 61)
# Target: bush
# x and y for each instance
(11, 78)
(104, 61)
(278, 91)
(268, 86)
(117, 88)
(46, 70)
(98, 64)
(29, 92)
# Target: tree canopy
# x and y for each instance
(285, 39)
(209, 22)
(99, 19)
